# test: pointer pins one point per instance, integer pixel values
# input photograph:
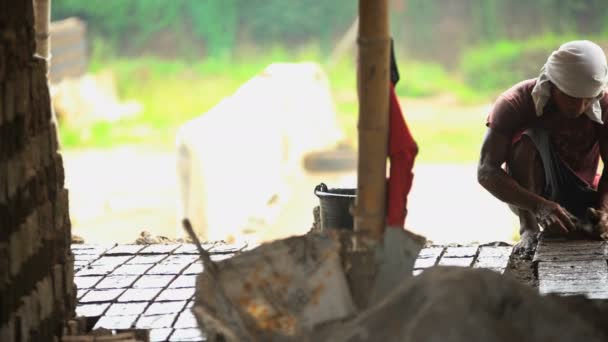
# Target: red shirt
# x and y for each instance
(574, 140)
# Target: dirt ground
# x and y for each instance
(115, 194)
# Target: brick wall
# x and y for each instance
(36, 265)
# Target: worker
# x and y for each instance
(549, 133)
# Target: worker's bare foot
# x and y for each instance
(527, 244)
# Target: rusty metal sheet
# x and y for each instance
(279, 287)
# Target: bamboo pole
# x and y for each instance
(42, 23)
(42, 19)
(373, 90)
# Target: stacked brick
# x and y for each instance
(36, 266)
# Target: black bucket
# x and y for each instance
(335, 207)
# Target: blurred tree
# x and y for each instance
(216, 23)
(430, 29)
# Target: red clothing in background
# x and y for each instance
(402, 151)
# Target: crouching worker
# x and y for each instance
(550, 132)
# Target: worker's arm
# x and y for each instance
(491, 176)
(602, 187)
(601, 215)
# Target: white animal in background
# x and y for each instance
(235, 162)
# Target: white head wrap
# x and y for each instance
(577, 68)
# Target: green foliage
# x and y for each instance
(129, 25)
(210, 25)
(472, 49)
(433, 30)
(485, 16)
(428, 79)
(296, 21)
(170, 92)
(216, 23)
(493, 67)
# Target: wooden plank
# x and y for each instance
(569, 277)
(573, 285)
(571, 266)
(565, 250)
(569, 242)
(588, 277)
(570, 250)
(591, 294)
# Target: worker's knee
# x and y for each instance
(524, 158)
(524, 153)
(525, 165)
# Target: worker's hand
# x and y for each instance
(527, 244)
(554, 218)
(599, 221)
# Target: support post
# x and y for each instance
(373, 125)
(42, 20)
